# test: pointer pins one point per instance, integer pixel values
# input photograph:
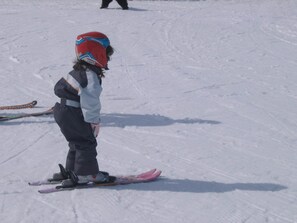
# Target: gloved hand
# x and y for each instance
(95, 127)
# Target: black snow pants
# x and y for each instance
(122, 3)
(82, 152)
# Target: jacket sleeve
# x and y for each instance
(90, 98)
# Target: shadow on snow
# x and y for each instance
(123, 120)
(196, 186)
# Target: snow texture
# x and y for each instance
(206, 91)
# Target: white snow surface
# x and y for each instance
(203, 90)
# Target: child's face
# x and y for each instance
(109, 52)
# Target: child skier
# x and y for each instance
(78, 112)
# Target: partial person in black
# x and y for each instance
(122, 3)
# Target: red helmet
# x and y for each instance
(91, 48)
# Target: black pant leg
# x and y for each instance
(105, 3)
(70, 160)
(85, 161)
(123, 3)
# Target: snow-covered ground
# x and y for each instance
(206, 91)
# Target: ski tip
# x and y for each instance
(153, 177)
(34, 102)
(150, 172)
(156, 174)
(149, 176)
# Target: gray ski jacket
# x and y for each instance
(84, 88)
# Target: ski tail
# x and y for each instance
(54, 180)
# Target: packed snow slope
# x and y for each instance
(206, 91)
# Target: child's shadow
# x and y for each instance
(123, 120)
(196, 186)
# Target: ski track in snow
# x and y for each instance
(203, 90)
